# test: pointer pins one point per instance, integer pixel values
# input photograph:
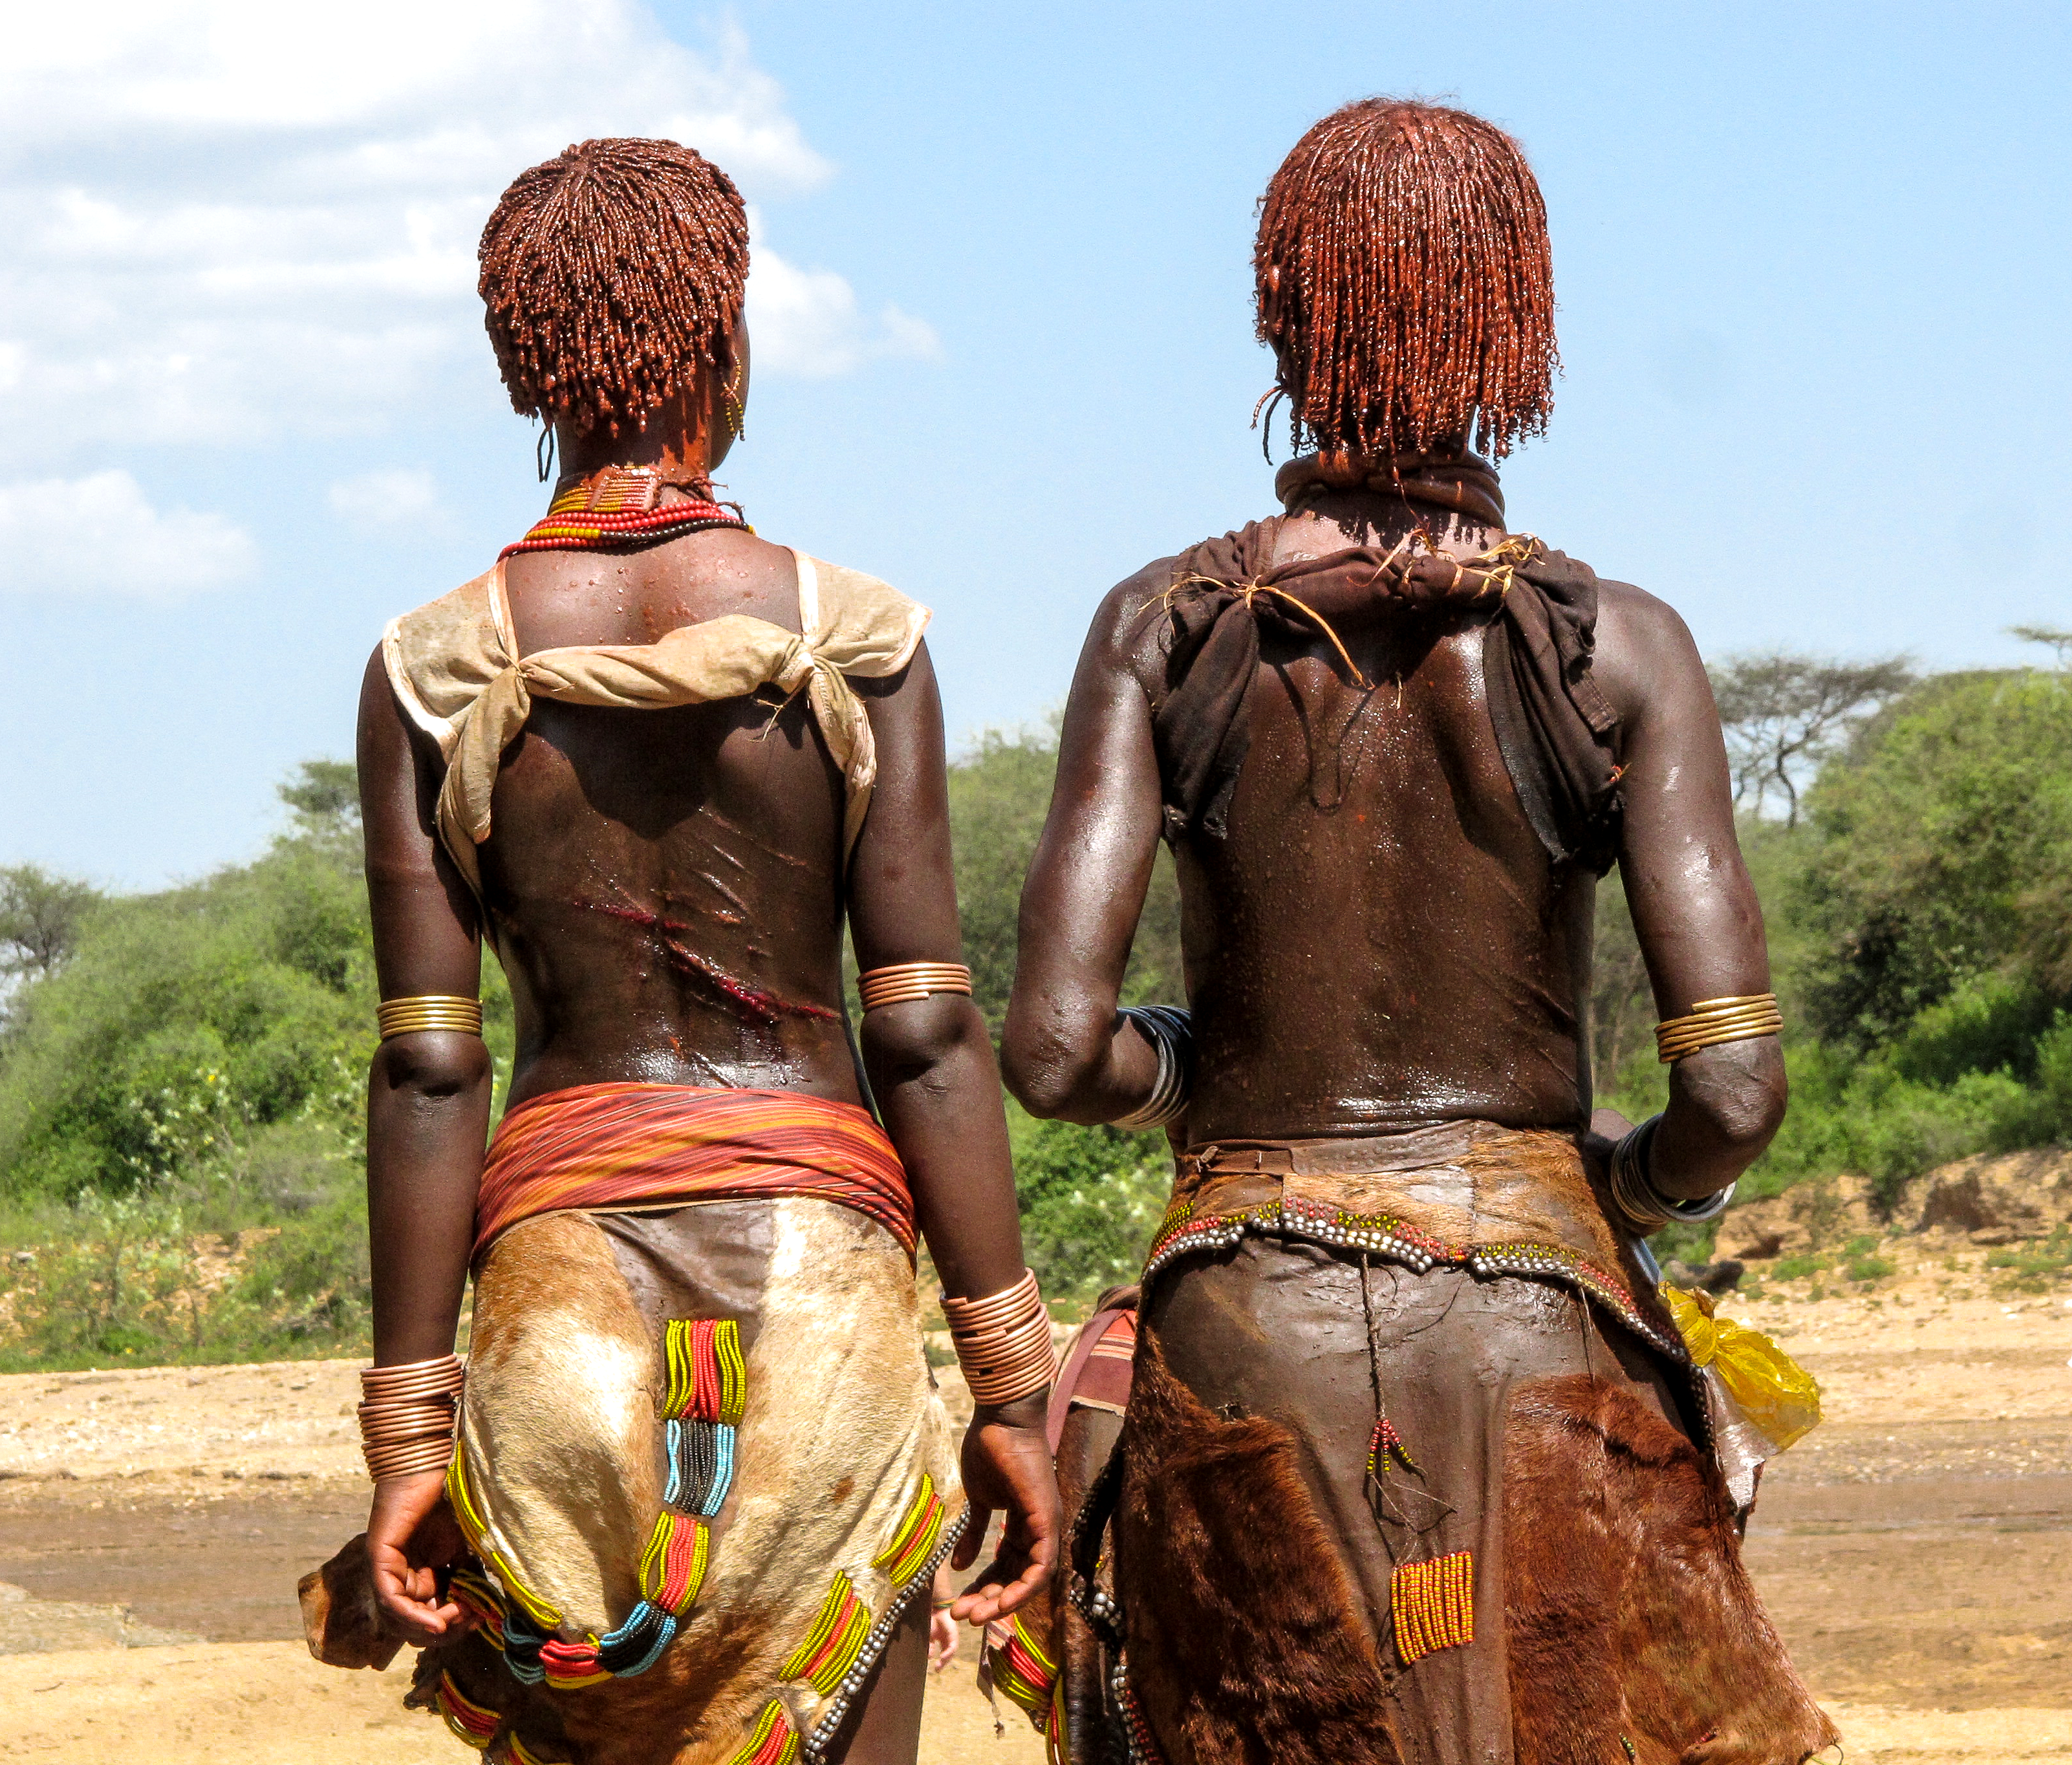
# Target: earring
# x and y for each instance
(736, 424)
(543, 451)
(1267, 400)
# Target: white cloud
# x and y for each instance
(227, 219)
(807, 321)
(400, 496)
(98, 534)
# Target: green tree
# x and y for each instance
(1784, 715)
(41, 919)
(1944, 838)
(999, 794)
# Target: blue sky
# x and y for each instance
(1811, 263)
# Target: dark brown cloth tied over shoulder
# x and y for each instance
(1557, 734)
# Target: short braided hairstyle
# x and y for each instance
(609, 272)
(1415, 303)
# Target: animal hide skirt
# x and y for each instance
(703, 1472)
(1441, 1518)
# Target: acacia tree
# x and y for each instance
(40, 918)
(1783, 714)
(2050, 636)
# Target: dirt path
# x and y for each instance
(1913, 1552)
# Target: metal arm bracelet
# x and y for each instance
(1170, 1031)
(1646, 1208)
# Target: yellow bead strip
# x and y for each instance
(429, 1012)
(1739, 1018)
(904, 981)
(1434, 1605)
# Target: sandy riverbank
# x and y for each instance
(1913, 1550)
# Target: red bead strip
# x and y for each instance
(593, 533)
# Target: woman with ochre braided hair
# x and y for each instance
(1414, 1464)
(703, 1481)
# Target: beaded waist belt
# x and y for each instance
(620, 1146)
(1470, 1195)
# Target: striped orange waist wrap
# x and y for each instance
(616, 1147)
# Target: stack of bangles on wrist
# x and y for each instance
(1171, 1032)
(1738, 1018)
(429, 1011)
(408, 1415)
(1003, 1343)
(904, 981)
(1634, 1194)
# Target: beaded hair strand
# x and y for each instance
(1405, 283)
(608, 273)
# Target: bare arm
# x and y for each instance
(1695, 910)
(427, 1118)
(931, 1071)
(1067, 1052)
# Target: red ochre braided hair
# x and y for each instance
(609, 272)
(1405, 283)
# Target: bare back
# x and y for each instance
(1379, 873)
(1380, 938)
(665, 885)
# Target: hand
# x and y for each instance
(942, 1640)
(410, 1534)
(1007, 1465)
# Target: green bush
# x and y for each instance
(1943, 837)
(1091, 1199)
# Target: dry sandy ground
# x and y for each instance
(1914, 1550)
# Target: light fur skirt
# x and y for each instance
(705, 1468)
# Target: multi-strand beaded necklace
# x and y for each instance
(620, 508)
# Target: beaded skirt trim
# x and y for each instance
(704, 1395)
(1434, 1604)
(878, 1638)
(838, 1657)
(1016, 1663)
(1182, 1233)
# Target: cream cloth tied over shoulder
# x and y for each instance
(451, 663)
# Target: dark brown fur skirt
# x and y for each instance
(1540, 1566)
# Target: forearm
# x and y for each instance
(932, 1073)
(1071, 1056)
(1726, 1104)
(427, 1119)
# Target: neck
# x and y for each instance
(1450, 495)
(582, 456)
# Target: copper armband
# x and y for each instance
(428, 1011)
(409, 1416)
(1003, 1342)
(1738, 1018)
(904, 981)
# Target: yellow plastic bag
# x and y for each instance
(1776, 1393)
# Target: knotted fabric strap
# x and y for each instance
(452, 666)
(1558, 735)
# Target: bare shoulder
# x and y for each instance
(1645, 654)
(1123, 638)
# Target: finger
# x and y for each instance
(423, 1619)
(967, 1546)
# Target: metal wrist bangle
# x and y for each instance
(1635, 1192)
(1169, 1030)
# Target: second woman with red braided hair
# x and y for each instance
(1415, 1467)
(703, 1480)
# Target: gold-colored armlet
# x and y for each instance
(903, 981)
(429, 1011)
(1741, 1018)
